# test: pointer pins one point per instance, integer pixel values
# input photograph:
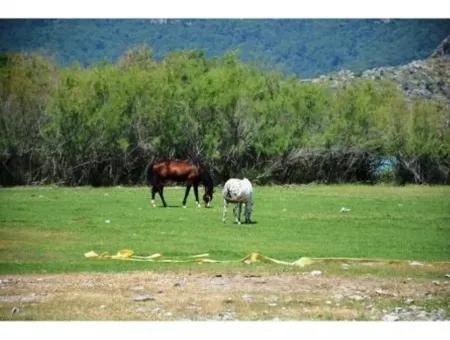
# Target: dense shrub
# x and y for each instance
(102, 125)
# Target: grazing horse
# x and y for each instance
(238, 191)
(180, 171)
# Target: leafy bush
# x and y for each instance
(103, 124)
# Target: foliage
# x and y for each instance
(306, 47)
(27, 81)
(103, 124)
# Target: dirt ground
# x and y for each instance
(308, 295)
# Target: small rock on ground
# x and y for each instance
(356, 297)
(414, 313)
(225, 316)
(247, 298)
(141, 298)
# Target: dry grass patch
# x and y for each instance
(206, 296)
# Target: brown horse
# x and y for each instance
(180, 171)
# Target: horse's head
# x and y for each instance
(209, 186)
(208, 196)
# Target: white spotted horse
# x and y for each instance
(238, 191)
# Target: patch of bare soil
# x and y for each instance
(204, 296)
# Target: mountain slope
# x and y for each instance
(306, 47)
(429, 78)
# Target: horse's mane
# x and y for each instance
(206, 178)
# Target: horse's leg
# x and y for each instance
(156, 182)
(248, 210)
(160, 191)
(153, 196)
(196, 194)
(245, 212)
(237, 213)
(225, 206)
(188, 187)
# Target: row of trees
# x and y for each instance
(306, 47)
(103, 124)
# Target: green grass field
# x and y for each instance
(48, 229)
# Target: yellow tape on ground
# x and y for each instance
(128, 255)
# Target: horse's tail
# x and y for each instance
(149, 171)
(228, 194)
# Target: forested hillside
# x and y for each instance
(307, 48)
(103, 124)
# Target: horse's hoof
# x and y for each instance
(154, 205)
(184, 206)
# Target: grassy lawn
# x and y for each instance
(48, 229)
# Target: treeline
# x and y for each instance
(305, 47)
(103, 124)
